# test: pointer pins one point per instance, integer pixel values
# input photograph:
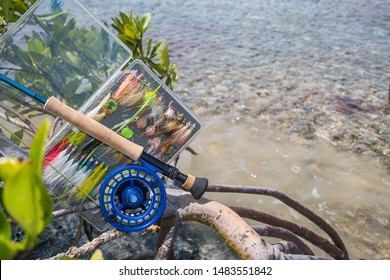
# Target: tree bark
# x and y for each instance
(240, 236)
(75, 252)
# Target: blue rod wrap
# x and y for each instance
(23, 89)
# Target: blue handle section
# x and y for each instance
(23, 89)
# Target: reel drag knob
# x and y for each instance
(132, 198)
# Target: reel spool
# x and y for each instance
(132, 197)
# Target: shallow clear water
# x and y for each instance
(349, 192)
(292, 94)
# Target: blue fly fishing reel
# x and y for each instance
(132, 197)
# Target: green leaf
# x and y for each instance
(72, 59)
(117, 25)
(145, 22)
(72, 86)
(131, 31)
(17, 137)
(149, 47)
(125, 18)
(72, 25)
(5, 228)
(114, 52)
(105, 41)
(164, 57)
(19, 198)
(27, 201)
(21, 57)
(7, 251)
(37, 50)
(52, 17)
(157, 49)
(58, 30)
(157, 67)
(21, 5)
(5, 8)
(93, 37)
(25, 197)
(35, 45)
(37, 150)
(169, 82)
(173, 72)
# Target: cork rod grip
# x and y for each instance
(93, 128)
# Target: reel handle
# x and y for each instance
(197, 186)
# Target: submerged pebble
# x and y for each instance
(295, 169)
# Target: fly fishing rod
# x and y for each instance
(138, 188)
